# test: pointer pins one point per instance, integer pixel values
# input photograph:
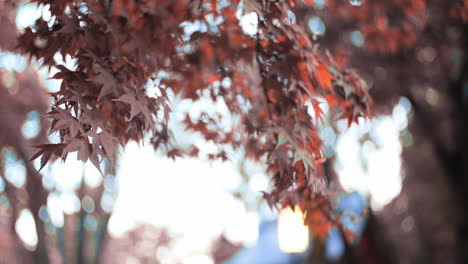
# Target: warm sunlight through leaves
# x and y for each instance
(293, 235)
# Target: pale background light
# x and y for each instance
(293, 235)
(26, 228)
(373, 168)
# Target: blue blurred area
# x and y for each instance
(27, 14)
(2, 185)
(267, 251)
(334, 245)
(316, 25)
(31, 126)
(12, 62)
(319, 3)
(351, 201)
(15, 171)
(357, 38)
(4, 204)
(351, 207)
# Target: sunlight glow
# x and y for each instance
(67, 175)
(249, 23)
(198, 259)
(26, 228)
(373, 167)
(293, 235)
(189, 197)
(31, 126)
(54, 206)
(15, 172)
(27, 15)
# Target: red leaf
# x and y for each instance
(324, 76)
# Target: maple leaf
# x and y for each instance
(324, 76)
(317, 110)
(106, 80)
(47, 150)
(135, 105)
(173, 153)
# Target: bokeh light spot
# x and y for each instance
(90, 222)
(31, 126)
(12, 62)
(355, 2)
(26, 228)
(88, 204)
(316, 26)
(15, 171)
(27, 15)
(357, 38)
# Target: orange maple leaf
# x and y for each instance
(318, 111)
(324, 76)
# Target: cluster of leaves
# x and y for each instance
(121, 47)
(386, 25)
(460, 10)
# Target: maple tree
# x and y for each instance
(133, 57)
(120, 46)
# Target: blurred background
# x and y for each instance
(397, 178)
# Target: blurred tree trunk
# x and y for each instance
(24, 255)
(428, 222)
(81, 233)
(37, 198)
